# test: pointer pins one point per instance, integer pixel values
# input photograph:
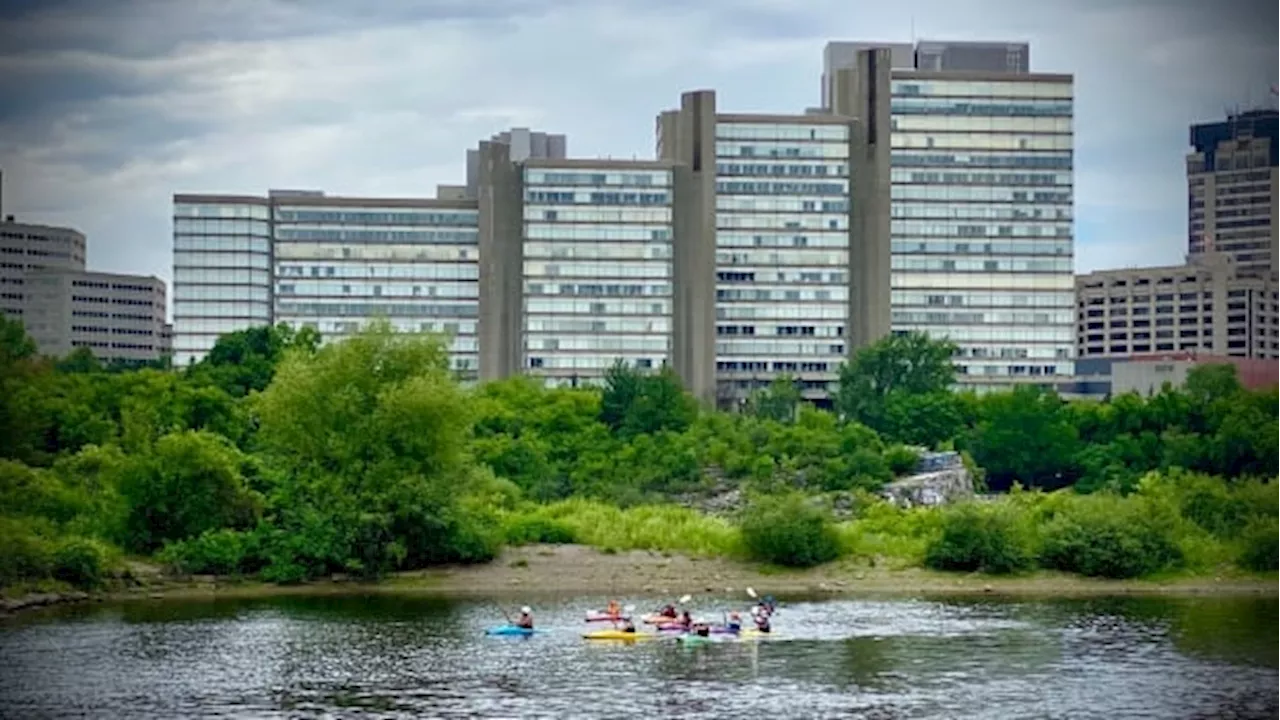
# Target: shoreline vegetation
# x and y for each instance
(284, 462)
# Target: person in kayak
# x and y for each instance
(526, 618)
(702, 629)
(686, 620)
(735, 622)
(668, 611)
(628, 626)
(614, 610)
(762, 621)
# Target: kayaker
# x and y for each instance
(686, 620)
(735, 622)
(702, 629)
(614, 609)
(526, 618)
(628, 626)
(669, 611)
(762, 621)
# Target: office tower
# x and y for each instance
(583, 265)
(795, 274)
(841, 55)
(1231, 189)
(341, 262)
(332, 263)
(982, 213)
(25, 247)
(523, 143)
(44, 284)
(1204, 306)
(221, 269)
(119, 318)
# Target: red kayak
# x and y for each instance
(606, 617)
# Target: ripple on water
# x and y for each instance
(406, 657)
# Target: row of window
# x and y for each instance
(610, 289)
(457, 329)
(902, 175)
(239, 309)
(755, 203)
(781, 276)
(990, 333)
(735, 366)
(973, 108)
(336, 235)
(229, 211)
(99, 329)
(197, 226)
(982, 298)
(226, 243)
(733, 169)
(826, 239)
(976, 193)
(184, 275)
(590, 365)
(329, 251)
(647, 178)
(583, 197)
(967, 211)
(340, 308)
(773, 348)
(829, 330)
(599, 215)
(1051, 265)
(383, 289)
(744, 187)
(994, 317)
(781, 221)
(658, 270)
(597, 343)
(990, 123)
(834, 258)
(981, 88)
(397, 216)
(808, 312)
(660, 230)
(597, 251)
(829, 151)
(368, 270)
(979, 141)
(998, 247)
(655, 307)
(977, 230)
(781, 131)
(258, 261)
(596, 325)
(732, 294)
(1047, 161)
(188, 291)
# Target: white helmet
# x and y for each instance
(526, 609)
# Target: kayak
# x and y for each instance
(509, 630)
(693, 639)
(715, 629)
(618, 635)
(606, 617)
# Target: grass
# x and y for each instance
(660, 528)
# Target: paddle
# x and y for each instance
(504, 613)
(628, 609)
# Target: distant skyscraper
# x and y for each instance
(524, 144)
(982, 208)
(1232, 192)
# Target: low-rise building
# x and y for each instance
(1148, 374)
(120, 318)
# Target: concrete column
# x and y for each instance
(500, 327)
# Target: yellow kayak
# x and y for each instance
(756, 634)
(618, 635)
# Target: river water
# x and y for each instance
(407, 656)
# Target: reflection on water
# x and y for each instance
(406, 656)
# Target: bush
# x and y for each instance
(789, 530)
(981, 538)
(1261, 551)
(902, 460)
(25, 555)
(1103, 535)
(529, 529)
(81, 562)
(216, 552)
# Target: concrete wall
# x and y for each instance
(118, 317)
(500, 330)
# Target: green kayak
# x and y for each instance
(693, 639)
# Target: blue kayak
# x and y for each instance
(509, 630)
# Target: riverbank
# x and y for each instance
(560, 570)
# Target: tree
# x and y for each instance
(777, 402)
(1025, 436)
(634, 403)
(879, 385)
(245, 361)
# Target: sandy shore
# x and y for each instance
(560, 570)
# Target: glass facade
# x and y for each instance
(337, 268)
(982, 223)
(782, 252)
(221, 272)
(597, 270)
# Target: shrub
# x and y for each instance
(81, 562)
(1105, 536)
(1261, 551)
(902, 460)
(983, 538)
(789, 530)
(216, 552)
(536, 528)
(25, 555)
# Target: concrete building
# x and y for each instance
(982, 210)
(1205, 307)
(1148, 374)
(1232, 192)
(780, 220)
(120, 318)
(25, 247)
(331, 263)
(524, 144)
(341, 262)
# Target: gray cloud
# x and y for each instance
(108, 107)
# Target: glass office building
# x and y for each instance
(782, 248)
(221, 270)
(341, 262)
(982, 220)
(597, 280)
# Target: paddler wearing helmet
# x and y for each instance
(526, 618)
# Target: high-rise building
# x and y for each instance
(982, 210)
(332, 263)
(789, 257)
(1232, 192)
(523, 144)
(221, 269)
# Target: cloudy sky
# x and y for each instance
(108, 107)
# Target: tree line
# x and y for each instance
(279, 456)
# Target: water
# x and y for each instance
(400, 656)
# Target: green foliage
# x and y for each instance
(82, 562)
(1261, 547)
(662, 528)
(537, 528)
(901, 459)
(1025, 436)
(633, 403)
(1111, 537)
(215, 552)
(987, 538)
(789, 530)
(779, 402)
(900, 386)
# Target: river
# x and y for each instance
(410, 656)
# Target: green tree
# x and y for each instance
(880, 385)
(1025, 436)
(778, 402)
(633, 402)
(245, 361)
